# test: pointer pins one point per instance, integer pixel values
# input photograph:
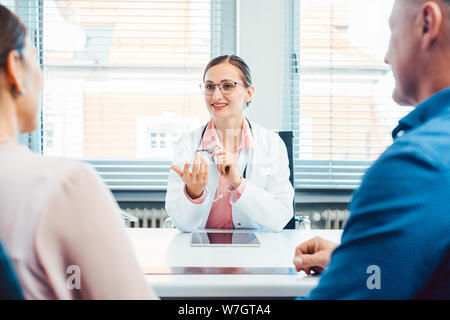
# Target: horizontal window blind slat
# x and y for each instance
(121, 80)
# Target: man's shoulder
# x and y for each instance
(429, 142)
(413, 173)
(418, 156)
(418, 162)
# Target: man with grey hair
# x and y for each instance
(396, 243)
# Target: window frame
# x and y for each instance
(115, 173)
(309, 192)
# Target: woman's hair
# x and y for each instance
(12, 34)
(235, 61)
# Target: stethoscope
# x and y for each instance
(211, 150)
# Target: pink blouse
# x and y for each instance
(220, 216)
(62, 229)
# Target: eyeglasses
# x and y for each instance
(225, 86)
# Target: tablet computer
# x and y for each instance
(236, 239)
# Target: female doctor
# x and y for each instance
(239, 178)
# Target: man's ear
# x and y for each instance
(431, 21)
(14, 72)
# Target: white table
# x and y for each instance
(171, 248)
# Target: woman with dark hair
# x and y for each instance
(239, 178)
(58, 223)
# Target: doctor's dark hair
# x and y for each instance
(12, 35)
(236, 61)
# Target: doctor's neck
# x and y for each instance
(229, 127)
(234, 123)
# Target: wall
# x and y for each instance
(260, 44)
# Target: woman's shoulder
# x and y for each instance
(46, 171)
(60, 167)
(69, 172)
(255, 126)
(264, 134)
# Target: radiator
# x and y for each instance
(155, 217)
(146, 218)
(335, 219)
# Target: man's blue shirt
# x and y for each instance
(396, 243)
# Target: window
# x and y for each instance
(338, 92)
(117, 72)
(28, 11)
(121, 79)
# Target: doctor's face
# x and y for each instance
(228, 102)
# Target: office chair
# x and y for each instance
(304, 222)
(9, 285)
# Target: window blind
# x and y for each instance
(28, 11)
(338, 89)
(122, 80)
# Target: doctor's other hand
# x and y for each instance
(313, 255)
(226, 164)
(195, 180)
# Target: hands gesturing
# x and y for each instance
(197, 179)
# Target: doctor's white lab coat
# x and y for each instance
(267, 200)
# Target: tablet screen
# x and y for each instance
(225, 239)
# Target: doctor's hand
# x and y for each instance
(226, 164)
(197, 179)
(313, 255)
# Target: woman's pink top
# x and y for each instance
(61, 228)
(220, 216)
